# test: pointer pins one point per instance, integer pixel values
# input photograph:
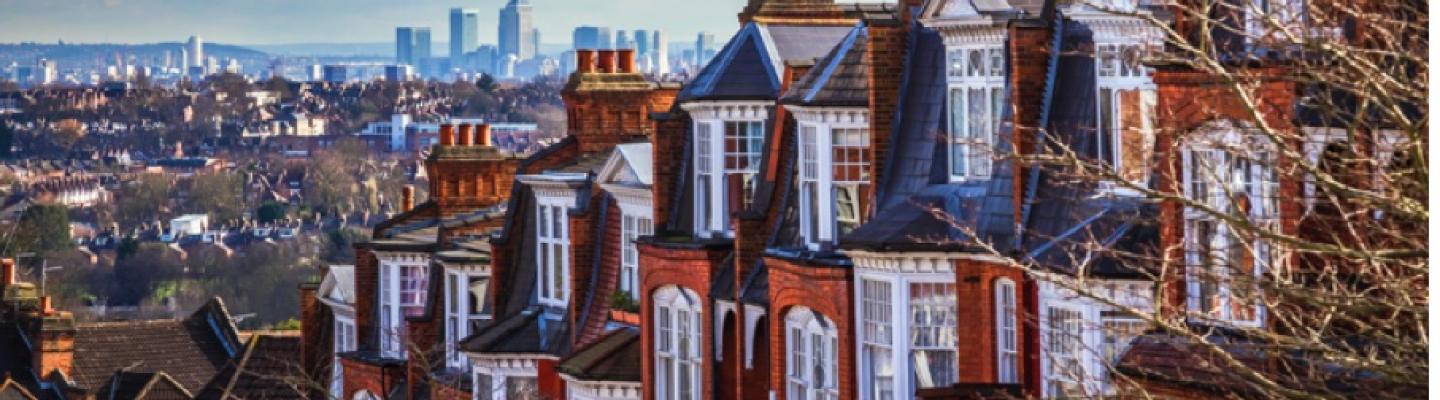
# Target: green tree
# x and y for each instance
(219, 195)
(144, 200)
(270, 212)
(43, 228)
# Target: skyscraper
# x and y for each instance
(196, 47)
(622, 40)
(661, 53)
(464, 33)
(642, 42)
(412, 44)
(704, 45)
(517, 30)
(535, 41)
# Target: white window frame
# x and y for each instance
(711, 158)
(899, 328)
(1007, 338)
(1093, 381)
(552, 233)
(804, 330)
(344, 341)
(678, 317)
(1121, 76)
(633, 226)
(819, 217)
(392, 316)
(971, 154)
(1069, 345)
(458, 315)
(1224, 144)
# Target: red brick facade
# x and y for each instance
(824, 289)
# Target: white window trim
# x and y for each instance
(714, 115)
(345, 340)
(457, 310)
(392, 335)
(824, 121)
(1122, 31)
(990, 83)
(670, 302)
(900, 346)
(1007, 324)
(802, 322)
(1135, 294)
(633, 225)
(547, 207)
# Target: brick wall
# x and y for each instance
(609, 276)
(316, 342)
(667, 155)
(367, 279)
(977, 342)
(886, 52)
(690, 269)
(364, 376)
(826, 290)
(1029, 61)
(1188, 100)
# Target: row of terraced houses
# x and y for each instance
(804, 219)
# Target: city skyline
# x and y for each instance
(328, 21)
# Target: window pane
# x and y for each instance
(933, 334)
(479, 303)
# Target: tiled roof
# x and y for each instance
(191, 350)
(615, 358)
(839, 79)
(525, 332)
(142, 386)
(268, 369)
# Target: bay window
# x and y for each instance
(916, 351)
(1006, 340)
(1225, 261)
(466, 304)
(1120, 329)
(1064, 349)
(403, 289)
(811, 348)
(834, 180)
(677, 314)
(632, 227)
(726, 151)
(932, 334)
(876, 349)
(1125, 111)
(552, 251)
(976, 76)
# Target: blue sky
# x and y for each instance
(336, 21)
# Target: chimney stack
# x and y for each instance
(482, 136)
(607, 61)
(626, 60)
(585, 61)
(466, 138)
(7, 273)
(447, 135)
(407, 198)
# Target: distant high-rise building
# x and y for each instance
(642, 42)
(704, 46)
(485, 58)
(622, 40)
(516, 30)
(335, 74)
(184, 60)
(315, 73)
(412, 44)
(464, 32)
(591, 37)
(535, 41)
(661, 53)
(399, 73)
(196, 47)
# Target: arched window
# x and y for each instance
(677, 344)
(811, 348)
(364, 395)
(1006, 341)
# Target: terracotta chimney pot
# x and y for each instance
(407, 198)
(483, 136)
(447, 135)
(466, 138)
(626, 60)
(585, 61)
(607, 61)
(7, 272)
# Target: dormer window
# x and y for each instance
(976, 75)
(834, 174)
(403, 285)
(728, 143)
(1234, 176)
(1125, 111)
(552, 241)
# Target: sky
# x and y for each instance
(337, 21)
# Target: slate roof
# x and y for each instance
(749, 66)
(142, 385)
(11, 390)
(268, 369)
(191, 350)
(525, 332)
(614, 358)
(840, 79)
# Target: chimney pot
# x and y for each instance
(483, 136)
(607, 61)
(626, 60)
(466, 138)
(585, 61)
(407, 198)
(447, 135)
(45, 305)
(7, 273)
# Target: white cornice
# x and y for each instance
(602, 390)
(728, 110)
(913, 262)
(466, 267)
(632, 200)
(970, 32)
(831, 115)
(402, 257)
(1114, 27)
